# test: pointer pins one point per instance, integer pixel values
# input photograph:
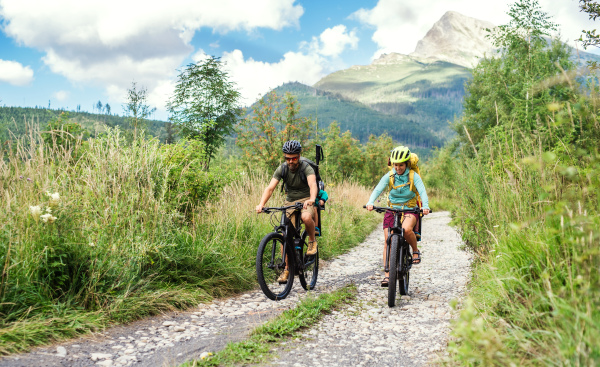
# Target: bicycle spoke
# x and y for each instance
(270, 264)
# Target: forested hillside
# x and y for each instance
(359, 119)
(421, 91)
(523, 179)
(17, 120)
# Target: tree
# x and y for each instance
(205, 104)
(506, 89)
(345, 158)
(590, 38)
(107, 108)
(275, 120)
(99, 107)
(136, 108)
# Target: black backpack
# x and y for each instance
(303, 162)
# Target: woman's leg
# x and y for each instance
(408, 224)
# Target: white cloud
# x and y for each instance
(254, 78)
(400, 25)
(111, 43)
(15, 73)
(61, 95)
(334, 40)
(331, 42)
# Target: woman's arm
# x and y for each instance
(421, 189)
(383, 183)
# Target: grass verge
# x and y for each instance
(257, 348)
(90, 237)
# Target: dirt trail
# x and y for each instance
(365, 333)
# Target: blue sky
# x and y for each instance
(71, 52)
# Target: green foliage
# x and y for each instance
(347, 159)
(64, 133)
(525, 183)
(513, 89)
(189, 184)
(112, 247)
(275, 120)
(205, 104)
(590, 37)
(136, 109)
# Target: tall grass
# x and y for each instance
(532, 216)
(118, 250)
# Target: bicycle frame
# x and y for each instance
(291, 235)
(396, 229)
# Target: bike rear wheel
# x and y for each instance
(394, 263)
(270, 264)
(404, 276)
(308, 277)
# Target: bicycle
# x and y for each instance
(289, 240)
(399, 255)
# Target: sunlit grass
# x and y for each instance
(118, 250)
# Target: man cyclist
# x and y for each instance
(297, 189)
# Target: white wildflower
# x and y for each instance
(48, 218)
(36, 211)
(54, 198)
(48, 210)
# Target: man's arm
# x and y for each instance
(267, 194)
(312, 183)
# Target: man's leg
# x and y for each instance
(307, 217)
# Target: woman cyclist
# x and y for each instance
(401, 197)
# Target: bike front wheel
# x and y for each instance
(394, 267)
(270, 264)
(308, 276)
(406, 262)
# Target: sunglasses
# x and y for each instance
(291, 159)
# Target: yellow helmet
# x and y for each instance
(400, 154)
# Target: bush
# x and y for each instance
(189, 184)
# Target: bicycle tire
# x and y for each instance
(393, 270)
(268, 274)
(404, 278)
(311, 267)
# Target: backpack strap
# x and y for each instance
(413, 188)
(391, 183)
(284, 173)
(412, 202)
(411, 181)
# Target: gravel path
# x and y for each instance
(368, 332)
(365, 333)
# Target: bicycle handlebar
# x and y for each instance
(381, 209)
(282, 208)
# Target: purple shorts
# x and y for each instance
(388, 220)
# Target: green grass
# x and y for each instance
(118, 249)
(257, 348)
(533, 221)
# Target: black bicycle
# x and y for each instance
(286, 244)
(399, 255)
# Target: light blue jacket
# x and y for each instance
(402, 194)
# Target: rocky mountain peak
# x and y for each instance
(456, 38)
